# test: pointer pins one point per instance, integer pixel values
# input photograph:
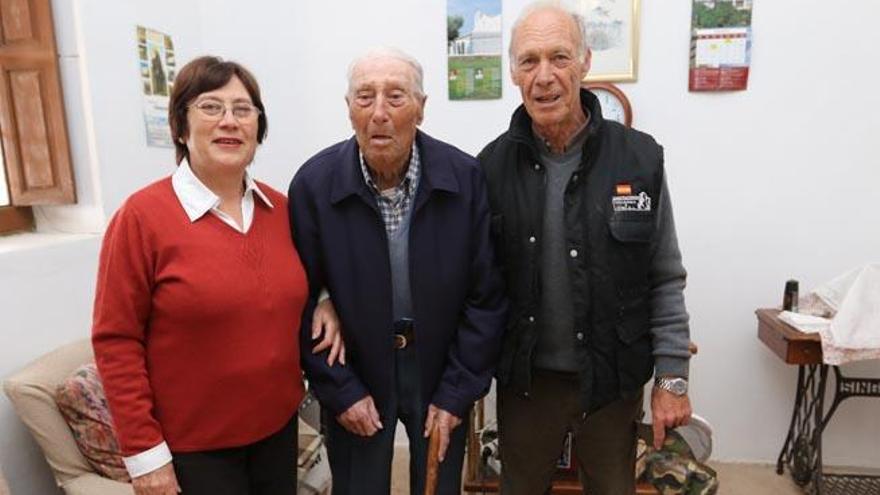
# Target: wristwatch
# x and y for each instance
(676, 385)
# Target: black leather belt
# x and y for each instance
(403, 333)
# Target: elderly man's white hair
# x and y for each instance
(392, 53)
(559, 5)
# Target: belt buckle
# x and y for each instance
(403, 333)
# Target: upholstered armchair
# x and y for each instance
(32, 393)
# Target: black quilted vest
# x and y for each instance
(609, 251)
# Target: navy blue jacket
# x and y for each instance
(457, 293)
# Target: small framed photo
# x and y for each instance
(613, 36)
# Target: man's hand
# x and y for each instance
(162, 481)
(325, 317)
(668, 411)
(361, 418)
(443, 421)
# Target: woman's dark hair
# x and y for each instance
(202, 75)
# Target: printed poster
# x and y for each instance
(721, 43)
(473, 35)
(157, 68)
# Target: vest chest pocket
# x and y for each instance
(632, 227)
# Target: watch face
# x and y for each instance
(679, 387)
(612, 108)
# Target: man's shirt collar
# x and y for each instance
(410, 180)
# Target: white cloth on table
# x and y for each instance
(805, 323)
(846, 313)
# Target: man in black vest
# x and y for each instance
(584, 229)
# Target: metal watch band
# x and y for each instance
(675, 385)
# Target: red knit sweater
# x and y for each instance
(196, 325)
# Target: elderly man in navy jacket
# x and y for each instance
(395, 226)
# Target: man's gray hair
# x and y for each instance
(393, 53)
(562, 6)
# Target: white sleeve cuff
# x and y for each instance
(148, 460)
(324, 295)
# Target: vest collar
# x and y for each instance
(521, 123)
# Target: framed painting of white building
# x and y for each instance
(473, 36)
(613, 36)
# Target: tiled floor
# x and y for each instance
(753, 479)
(736, 479)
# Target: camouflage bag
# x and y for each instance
(674, 469)
(674, 474)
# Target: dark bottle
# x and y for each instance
(790, 298)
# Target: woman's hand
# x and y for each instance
(162, 481)
(325, 318)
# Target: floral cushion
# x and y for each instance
(83, 404)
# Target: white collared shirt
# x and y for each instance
(197, 199)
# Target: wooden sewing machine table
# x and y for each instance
(802, 450)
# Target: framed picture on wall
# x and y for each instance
(474, 48)
(613, 35)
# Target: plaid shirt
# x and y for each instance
(396, 202)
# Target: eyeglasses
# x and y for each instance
(215, 110)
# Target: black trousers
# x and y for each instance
(362, 465)
(265, 467)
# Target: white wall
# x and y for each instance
(768, 184)
(108, 28)
(47, 281)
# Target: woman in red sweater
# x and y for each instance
(199, 297)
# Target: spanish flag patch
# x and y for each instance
(623, 190)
